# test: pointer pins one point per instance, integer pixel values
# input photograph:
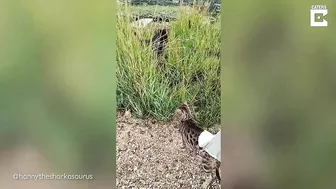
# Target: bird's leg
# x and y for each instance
(211, 181)
(183, 146)
(207, 183)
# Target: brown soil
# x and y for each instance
(149, 155)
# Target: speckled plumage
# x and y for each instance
(190, 131)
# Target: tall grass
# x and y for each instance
(191, 71)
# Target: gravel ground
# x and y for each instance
(149, 156)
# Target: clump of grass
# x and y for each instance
(191, 70)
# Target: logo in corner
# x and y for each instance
(317, 16)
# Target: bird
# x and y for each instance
(159, 40)
(190, 131)
(159, 43)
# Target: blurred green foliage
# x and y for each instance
(57, 82)
(279, 85)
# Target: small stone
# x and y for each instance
(127, 114)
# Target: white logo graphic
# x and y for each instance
(317, 16)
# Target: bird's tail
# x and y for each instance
(218, 175)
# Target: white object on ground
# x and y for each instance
(204, 138)
(211, 144)
(141, 23)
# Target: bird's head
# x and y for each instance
(182, 113)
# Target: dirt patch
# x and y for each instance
(149, 155)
